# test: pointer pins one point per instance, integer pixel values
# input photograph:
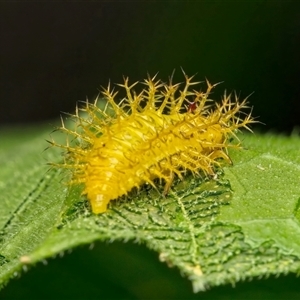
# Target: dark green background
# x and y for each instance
(56, 53)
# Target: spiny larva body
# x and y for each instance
(148, 137)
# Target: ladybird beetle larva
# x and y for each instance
(159, 133)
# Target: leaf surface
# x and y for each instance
(242, 224)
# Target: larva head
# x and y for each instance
(99, 202)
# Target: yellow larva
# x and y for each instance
(161, 132)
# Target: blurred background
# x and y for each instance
(56, 53)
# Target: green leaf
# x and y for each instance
(240, 225)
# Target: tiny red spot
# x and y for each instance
(192, 107)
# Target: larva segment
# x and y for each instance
(148, 137)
